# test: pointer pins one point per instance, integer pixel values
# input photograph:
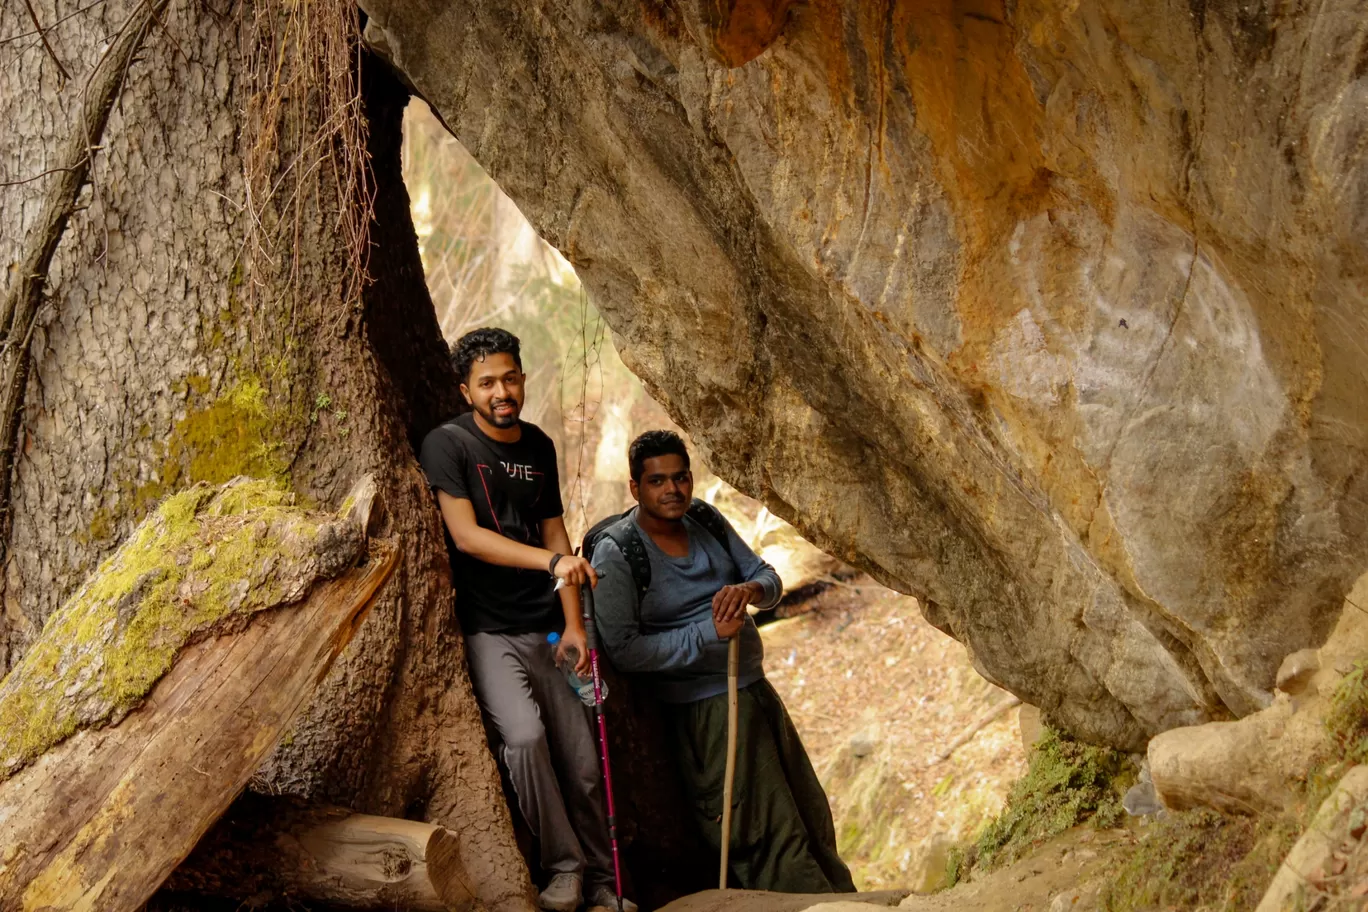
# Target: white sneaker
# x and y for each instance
(603, 895)
(563, 894)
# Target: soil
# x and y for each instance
(1065, 875)
(877, 693)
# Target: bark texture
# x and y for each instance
(1048, 313)
(190, 331)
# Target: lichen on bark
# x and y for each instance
(206, 561)
(240, 433)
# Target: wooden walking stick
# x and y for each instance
(733, 671)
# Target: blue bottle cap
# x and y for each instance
(553, 638)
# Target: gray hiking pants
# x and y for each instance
(550, 750)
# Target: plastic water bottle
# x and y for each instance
(582, 686)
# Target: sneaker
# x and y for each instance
(562, 894)
(603, 895)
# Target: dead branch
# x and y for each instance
(974, 728)
(287, 851)
(56, 22)
(42, 36)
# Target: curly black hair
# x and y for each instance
(479, 344)
(652, 444)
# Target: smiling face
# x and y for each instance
(665, 488)
(495, 389)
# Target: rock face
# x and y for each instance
(1049, 313)
(1262, 762)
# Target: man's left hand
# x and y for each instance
(730, 601)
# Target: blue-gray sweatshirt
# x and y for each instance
(676, 643)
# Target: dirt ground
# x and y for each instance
(1065, 875)
(877, 693)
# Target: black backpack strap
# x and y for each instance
(710, 518)
(625, 535)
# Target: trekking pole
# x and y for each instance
(591, 640)
(733, 671)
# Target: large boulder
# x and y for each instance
(1261, 763)
(1049, 313)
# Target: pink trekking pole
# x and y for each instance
(591, 640)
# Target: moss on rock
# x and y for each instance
(1202, 859)
(1067, 783)
(1347, 719)
(203, 563)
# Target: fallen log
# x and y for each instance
(280, 851)
(152, 695)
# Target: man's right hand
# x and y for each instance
(729, 628)
(576, 571)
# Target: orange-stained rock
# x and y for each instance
(1049, 312)
(735, 32)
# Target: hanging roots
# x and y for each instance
(304, 145)
(587, 360)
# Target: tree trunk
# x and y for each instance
(203, 317)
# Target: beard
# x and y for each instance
(498, 420)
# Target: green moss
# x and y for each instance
(1067, 783)
(957, 865)
(100, 528)
(234, 435)
(240, 433)
(1347, 720)
(1200, 859)
(202, 559)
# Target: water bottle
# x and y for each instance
(582, 686)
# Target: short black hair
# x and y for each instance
(479, 344)
(652, 444)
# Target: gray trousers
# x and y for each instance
(550, 750)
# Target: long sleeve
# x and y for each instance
(754, 570)
(615, 610)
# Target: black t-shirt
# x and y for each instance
(513, 487)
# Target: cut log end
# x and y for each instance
(281, 849)
(447, 872)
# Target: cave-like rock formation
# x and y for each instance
(1051, 313)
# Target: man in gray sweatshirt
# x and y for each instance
(674, 631)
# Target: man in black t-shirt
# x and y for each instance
(499, 493)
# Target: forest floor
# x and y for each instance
(1063, 875)
(918, 755)
(878, 695)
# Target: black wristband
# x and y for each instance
(551, 568)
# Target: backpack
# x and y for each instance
(624, 533)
